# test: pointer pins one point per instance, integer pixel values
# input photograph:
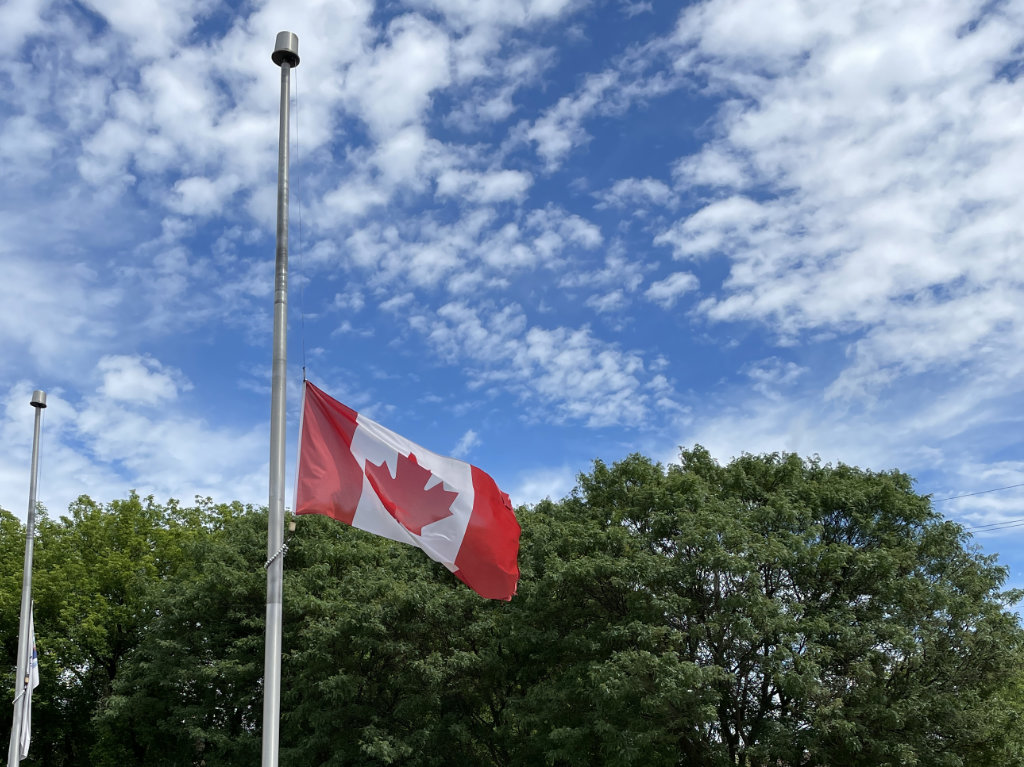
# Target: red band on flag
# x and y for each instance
(329, 477)
(488, 558)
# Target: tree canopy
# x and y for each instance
(771, 611)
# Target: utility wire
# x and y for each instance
(996, 525)
(992, 527)
(980, 492)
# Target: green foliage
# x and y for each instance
(190, 691)
(95, 575)
(12, 552)
(844, 621)
(772, 611)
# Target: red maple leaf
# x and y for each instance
(404, 495)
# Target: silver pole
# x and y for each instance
(21, 680)
(286, 56)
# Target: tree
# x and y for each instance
(769, 612)
(819, 615)
(92, 577)
(12, 552)
(772, 611)
(189, 689)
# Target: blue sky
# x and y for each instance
(528, 233)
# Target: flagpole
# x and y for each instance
(286, 56)
(21, 680)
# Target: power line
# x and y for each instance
(996, 526)
(992, 527)
(980, 492)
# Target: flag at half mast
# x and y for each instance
(360, 473)
(31, 683)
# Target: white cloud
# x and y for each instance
(401, 157)
(938, 429)
(64, 471)
(640, 74)
(637, 193)
(397, 302)
(486, 188)
(466, 443)
(547, 483)
(613, 301)
(174, 454)
(573, 374)
(69, 306)
(165, 118)
(724, 225)
(354, 199)
(26, 146)
(635, 8)
(153, 28)
(470, 252)
(666, 292)
(984, 509)
(876, 194)
(493, 13)
(22, 18)
(560, 130)
(139, 380)
(393, 86)
(350, 302)
(493, 100)
(773, 374)
(105, 446)
(568, 226)
(198, 196)
(714, 166)
(620, 270)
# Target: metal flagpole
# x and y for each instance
(286, 56)
(21, 681)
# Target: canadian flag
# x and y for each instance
(355, 470)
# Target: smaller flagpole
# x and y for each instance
(21, 681)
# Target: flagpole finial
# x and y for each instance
(39, 398)
(286, 49)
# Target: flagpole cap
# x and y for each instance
(39, 398)
(286, 49)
